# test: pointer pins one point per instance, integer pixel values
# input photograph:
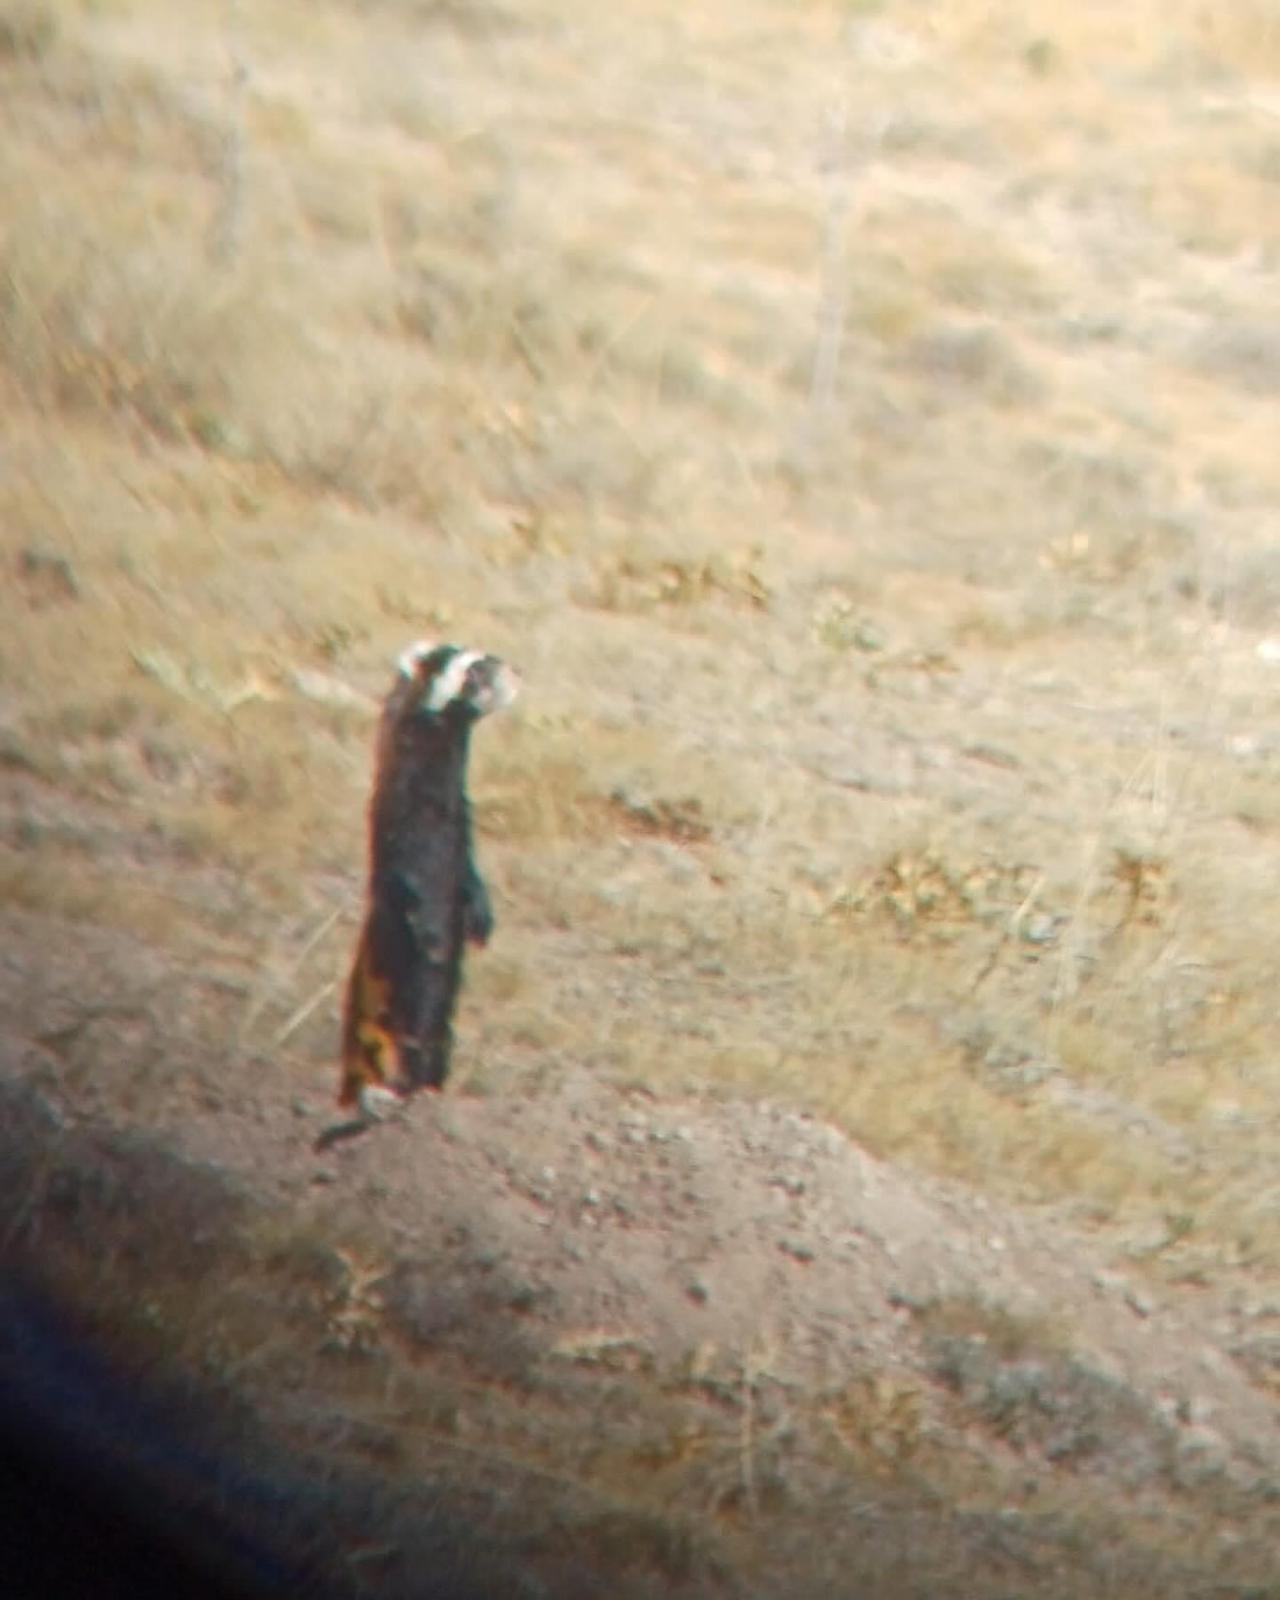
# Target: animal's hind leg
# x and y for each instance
(428, 1045)
(427, 1061)
(431, 1060)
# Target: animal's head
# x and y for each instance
(443, 680)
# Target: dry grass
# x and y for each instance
(876, 491)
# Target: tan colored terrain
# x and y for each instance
(858, 423)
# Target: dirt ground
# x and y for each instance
(856, 421)
(607, 1251)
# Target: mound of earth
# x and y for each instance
(691, 1270)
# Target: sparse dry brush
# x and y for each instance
(857, 424)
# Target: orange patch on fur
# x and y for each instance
(370, 1050)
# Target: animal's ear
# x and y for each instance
(412, 657)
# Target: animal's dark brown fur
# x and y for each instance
(426, 898)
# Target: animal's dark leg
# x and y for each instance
(419, 991)
(477, 911)
(434, 1058)
(428, 1032)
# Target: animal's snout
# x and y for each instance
(498, 685)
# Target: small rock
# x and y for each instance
(324, 1175)
(797, 1249)
(697, 1291)
(1213, 1360)
(325, 689)
(1202, 1455)
(1194, 1410)
(47, 577)
(994, 756)
(591, 1197)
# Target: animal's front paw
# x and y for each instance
(477, 913)
(377, 1103)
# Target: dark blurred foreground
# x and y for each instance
(102, 1493)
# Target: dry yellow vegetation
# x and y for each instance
(858, 423)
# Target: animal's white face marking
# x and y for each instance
(449, 683)
(445, 675)
(413, 656)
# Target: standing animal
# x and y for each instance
(426, 899)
